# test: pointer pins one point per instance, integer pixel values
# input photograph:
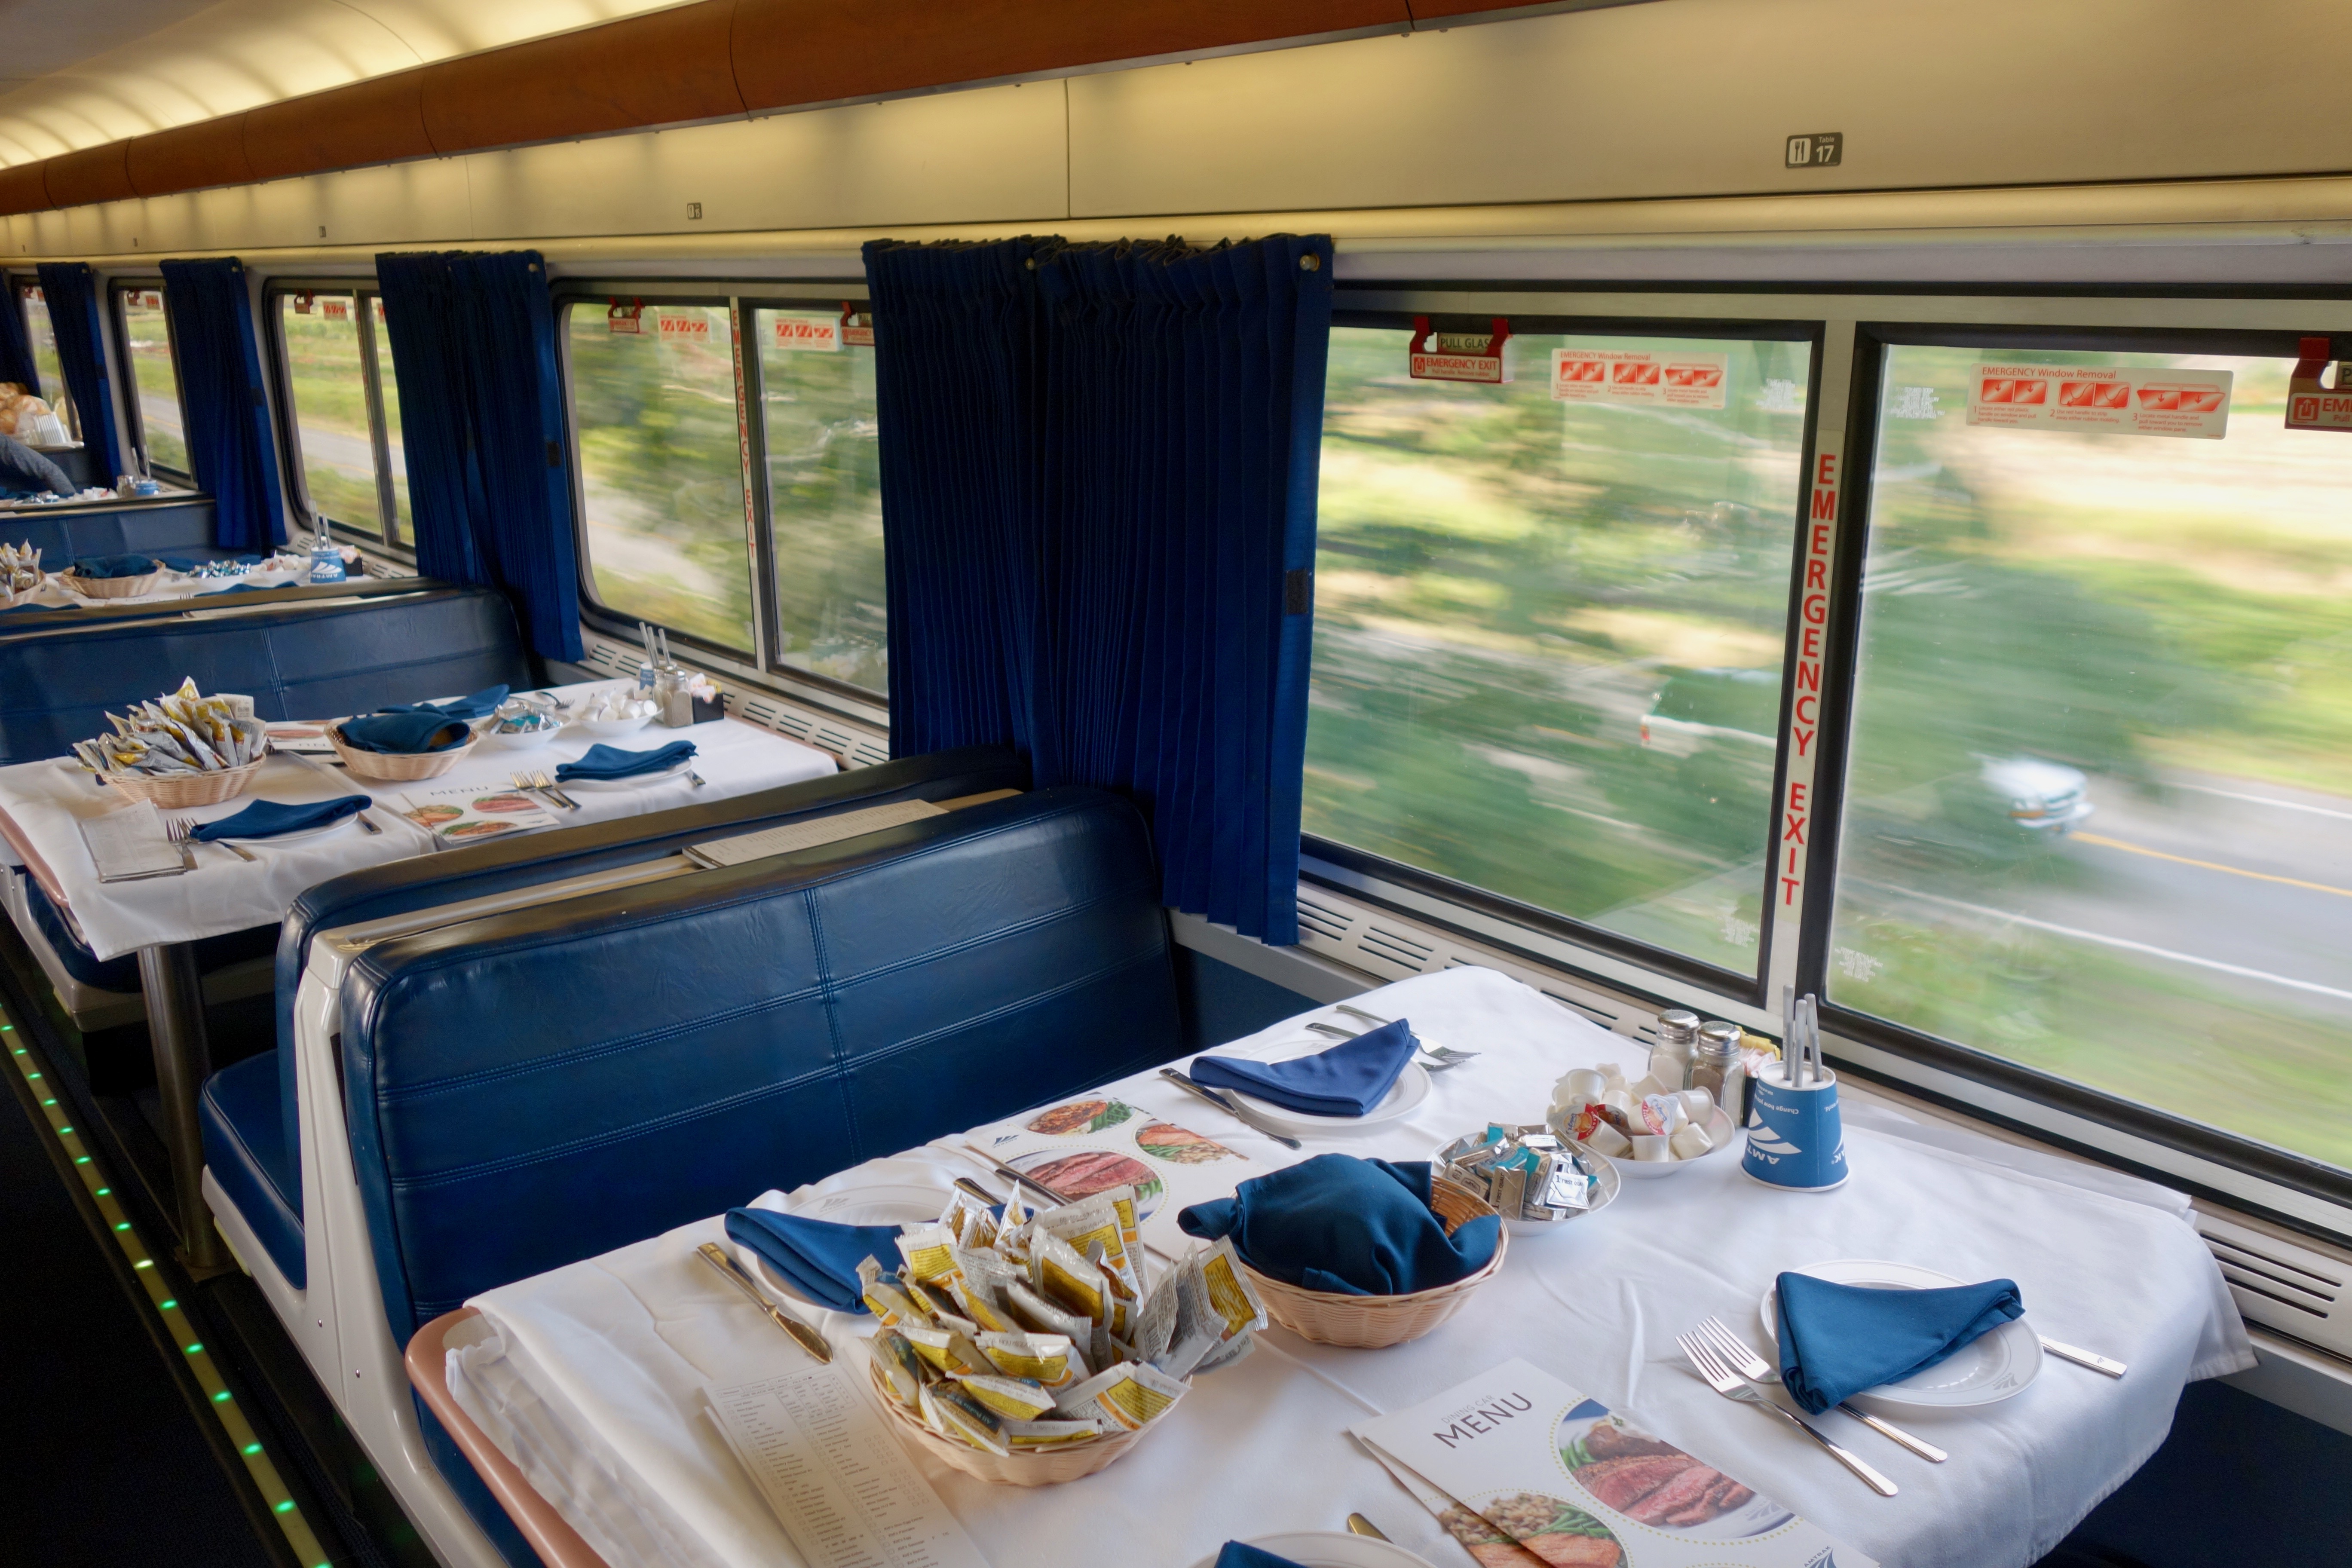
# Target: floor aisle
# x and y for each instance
(104, 1459)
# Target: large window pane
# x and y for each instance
(44, 360)
(824, 491)
(388, 390)
(661, 467)
(163, 430)
(323, 368)
(2100, 814)
(1548, 635)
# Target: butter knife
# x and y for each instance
(807, 1338)
(1227, 1104)
(2080, 1357)
(1359, 1525)
(1007, 1173)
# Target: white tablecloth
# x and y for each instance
(169, 585)
(44, 801)
(599, 1364)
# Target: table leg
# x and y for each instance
(175, 1031)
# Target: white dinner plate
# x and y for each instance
(635, 781)
(1332, 1548)
(1404, 1098)
(298, 835)
(896, 1203)
(1989, 1369)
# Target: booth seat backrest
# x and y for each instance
(527, 1090)
(480, 870)
(63, 536)
(296, 662)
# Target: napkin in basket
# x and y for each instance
(405, 733)
(269, 818)
(479, 705)
(114, 565)
(818, 1258)
(1839, 1339)
(612, 763)
(1349, 1079)
(1347, 1226)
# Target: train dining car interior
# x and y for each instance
(764, 764)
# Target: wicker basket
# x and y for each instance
(398, 767)
(178, 790)
(1372, 1322)
(108, 587)
(1033, 1468)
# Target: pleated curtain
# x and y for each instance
(232, 450)
(481, 411)
(1099, 485)
(70, 290)
(17, 342)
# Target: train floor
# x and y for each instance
(119, 1448)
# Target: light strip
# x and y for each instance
(27, 1059)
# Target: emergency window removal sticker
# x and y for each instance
(1659, 380)
(818, 334)
(2102, 400)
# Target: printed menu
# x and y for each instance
(461, 814)
(1089, 1145)
(1521, 1468)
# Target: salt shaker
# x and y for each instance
(1714, 1065)
(1670, 1058)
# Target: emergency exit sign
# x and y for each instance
(1818, 150)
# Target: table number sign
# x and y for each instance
(1516, 1462)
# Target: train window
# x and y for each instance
(825, 500)
(2096, 819)
(1550, 631)
(328, 405)
(395, 456)
(661, 475)
(45, 357)
(159, 428)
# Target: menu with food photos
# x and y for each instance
(1090, 1144)
(1522, 1469)
(459, 814)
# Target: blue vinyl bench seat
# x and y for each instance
(63, 535)
(245, 1151)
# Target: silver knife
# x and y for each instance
(1007, 1173)
(2081, 1357)
(1229, 1106)
(807, 1338)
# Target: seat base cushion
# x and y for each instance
(245, 1149)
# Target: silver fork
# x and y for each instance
(181, 831)
(1436, 1058)
(531, 781)
(1752, 1366)
(547, 788)
(1728, 1383)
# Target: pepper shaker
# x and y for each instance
(1670, 1058)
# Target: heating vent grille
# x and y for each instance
(854, 745)
(2283, 1285)
(1379, 943)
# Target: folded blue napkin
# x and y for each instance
(1349, 1079)
(405, 733)
(480, 705)
(239, 588)
(1354, 1228)
(16, 609)
(815, 1257)
(269, 818)
(1242, 1554)
(612, 763)
(1839, 1339)
(114, 565)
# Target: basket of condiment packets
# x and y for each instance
(1536, 1180)
(20, 569)
(1030, 1348)
(180, 750)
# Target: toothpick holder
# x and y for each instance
(1795, 1140)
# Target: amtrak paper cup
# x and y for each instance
(1795, 1138)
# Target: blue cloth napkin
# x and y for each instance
(1350, 1226)
(405, 733)
(114, 565)
(1242, 1554)
(815, 1257)
(1839, 1339)
(480, 705)
(18, 609)
(239, 588)
(1349, 1079)
(612, 763)
(269, 818)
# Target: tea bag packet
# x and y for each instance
(1051, 1361)
(1012, 1398)
(1123, 1399)
(949, 1350)
(902, 1368)
(1061, 1276)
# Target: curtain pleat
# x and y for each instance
(481, 411)
(70, 290)
(1097, 492)
(231, 448)
(16, 362)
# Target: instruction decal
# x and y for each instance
(1659, 380)
(2102, 400)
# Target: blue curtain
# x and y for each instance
(17, 342)
(1099, 485)
(70, 290)
(481, 413)
(231, 445)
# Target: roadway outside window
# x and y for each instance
(661, 474)
(1549, 634)
(43, 336)
(163, 429)
(825, 499)
(2097, 818)
(325, 339)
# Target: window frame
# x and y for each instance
(364, 293)
(119, 291)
